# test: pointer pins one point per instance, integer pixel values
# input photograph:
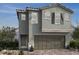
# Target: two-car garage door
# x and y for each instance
(48, 41)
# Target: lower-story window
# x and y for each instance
(24, 40)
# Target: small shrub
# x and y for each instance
(21, 52)
(74, 44)
(0, 49)
(8, 45)
(77, 44)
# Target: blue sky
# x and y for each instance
(8, 15)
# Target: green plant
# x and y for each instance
(0, 49)
(74, 44)
(7, 33)
(21, 52)
(76, 33)
(77, 44)
(8, 45)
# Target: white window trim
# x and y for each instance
(34, 17)
(23, 17)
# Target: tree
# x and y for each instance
(7, 33)
(76, 33)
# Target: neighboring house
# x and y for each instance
(45, 28)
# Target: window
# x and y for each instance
(23, 40)
(23, 17)
(34, 17)
(61, 19)
(53, 18)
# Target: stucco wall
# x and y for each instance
(23, 24)
(47, 26)
(44, 22)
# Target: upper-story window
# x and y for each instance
(53, 18)
(23, 17)
(34, 17)
(61, 19)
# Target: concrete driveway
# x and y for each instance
(41, 52)
(52, 52)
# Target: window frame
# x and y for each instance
(61, 18)
(53, 18)
(34, 17)
(23, 16)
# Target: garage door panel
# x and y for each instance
(43, 43)
(40, 43)
(36, 44)
(49, 42)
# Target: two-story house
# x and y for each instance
(48, 27)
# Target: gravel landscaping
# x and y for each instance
(41, 52)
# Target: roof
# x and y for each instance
(51, 5)
(20, 10)
(57, 5)
(28, 8)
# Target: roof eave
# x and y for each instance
(57, 5)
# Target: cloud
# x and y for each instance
(11, 21)
(10, 9)
(8, 15)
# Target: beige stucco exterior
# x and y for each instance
(43, 26)
(47, 26)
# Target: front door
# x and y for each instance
(24, 41)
